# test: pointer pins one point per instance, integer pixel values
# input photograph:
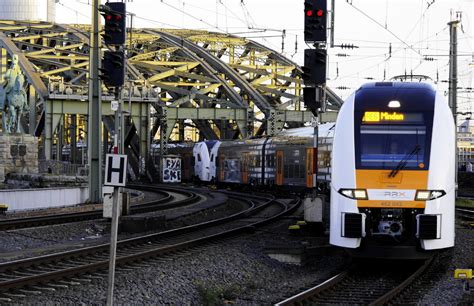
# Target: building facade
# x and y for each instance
(466, 143)
(28, 10)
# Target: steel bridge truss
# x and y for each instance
(225, 86)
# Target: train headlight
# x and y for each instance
(357, 194)
(422, 195)
(394, 104)
(427, 195)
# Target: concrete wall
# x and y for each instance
(23, 10)
(21, 199)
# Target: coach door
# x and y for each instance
(311, 167)
(279, 172)
(221, 167)
(245, 168)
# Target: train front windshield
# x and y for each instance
(390, 140)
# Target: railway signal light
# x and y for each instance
(114, 14)
(113, 68)
(311, 100)
(314, 69)
(315, 20)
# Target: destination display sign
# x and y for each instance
(373, 117)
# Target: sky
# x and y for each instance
(416, 32)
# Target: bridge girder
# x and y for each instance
(172, 69)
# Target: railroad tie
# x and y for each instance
(59, 286)
(71, 283)
(5, 299)
(43, 288)
(14, 295)
(30, 292)
(81, 280)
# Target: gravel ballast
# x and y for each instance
(235, 270)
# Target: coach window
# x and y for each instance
(291, 171)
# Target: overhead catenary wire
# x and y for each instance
(386, 29)
(434, 41)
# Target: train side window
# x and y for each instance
(292, 171)
(199, 157)
(212, 157)
(269, 160)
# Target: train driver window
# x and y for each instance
(386, 146)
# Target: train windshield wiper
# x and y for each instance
(403, 162)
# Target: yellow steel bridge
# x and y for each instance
(187, 84)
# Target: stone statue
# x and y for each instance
(13, 100)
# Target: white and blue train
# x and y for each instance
(283, 160)
(393, 172)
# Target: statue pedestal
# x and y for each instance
(18, 153)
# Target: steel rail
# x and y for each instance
(45, 270)
(409, 280)
(299, 298)
(349, 293)
(160, 204)
(465, 213)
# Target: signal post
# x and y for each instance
(113, 76)
(314, 77)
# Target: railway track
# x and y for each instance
(30, 276)
(167, 201)
(363, 284)
(465, 213)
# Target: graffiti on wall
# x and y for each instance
(171, 170)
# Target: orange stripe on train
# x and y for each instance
(379, 179)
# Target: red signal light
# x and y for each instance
(118, 17)
(309, 13)
(108, 17)
(320, 13)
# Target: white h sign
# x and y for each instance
(115, 170)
